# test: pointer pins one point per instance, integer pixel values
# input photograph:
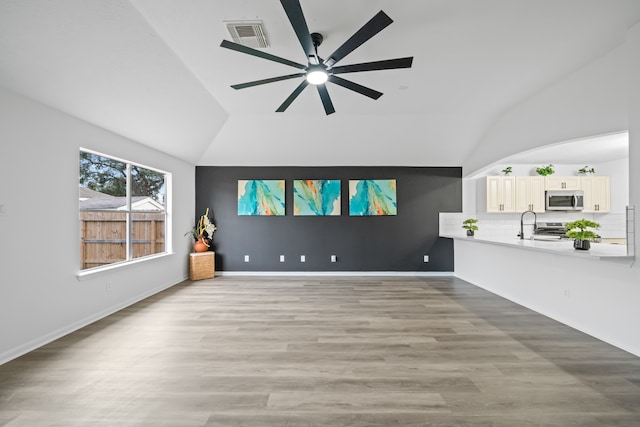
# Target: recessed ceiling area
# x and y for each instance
(585, 151)
(600, 149)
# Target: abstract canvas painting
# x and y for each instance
(316, 197)
(261, 197)
(371, 197)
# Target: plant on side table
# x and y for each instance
(578, 230)
(202, 233)
(470, 225)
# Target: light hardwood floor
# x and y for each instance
(323, 352)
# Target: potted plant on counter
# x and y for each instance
(470, 225)
(578, 230)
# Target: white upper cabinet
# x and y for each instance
(529, 193)
(597, 193)
(501, 194)
(562, 182)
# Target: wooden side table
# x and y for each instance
(202, 265)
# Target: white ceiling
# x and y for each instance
(153, 71)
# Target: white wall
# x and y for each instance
(591, 101)
(603, 295)
(40, 296)
(633, 48)
(597, 297)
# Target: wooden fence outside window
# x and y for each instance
(103, 236)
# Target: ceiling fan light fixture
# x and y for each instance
(317, 77)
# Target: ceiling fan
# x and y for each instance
(318, 71)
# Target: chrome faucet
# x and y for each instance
(535, 219)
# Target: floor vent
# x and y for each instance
(250, 34)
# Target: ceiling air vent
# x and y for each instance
(250, 34)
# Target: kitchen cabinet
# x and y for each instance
(597, 193)
(501, 194)
(562, 182)
(529, 193)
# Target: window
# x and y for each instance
(122, 210)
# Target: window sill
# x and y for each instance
(99, 271)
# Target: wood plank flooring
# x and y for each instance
(323, 352)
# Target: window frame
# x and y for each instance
(129, 218)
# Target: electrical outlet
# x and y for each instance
(246, 258)
(425, 258)
(3, 209)
(107, 287)
(303, 258)
(333, 258)
(281, 258)
(567, 293)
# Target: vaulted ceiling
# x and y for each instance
(154, 71)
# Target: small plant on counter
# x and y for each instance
(470, 225)
(507, 170)
(579, 230)
(545, 170)
(585, 170)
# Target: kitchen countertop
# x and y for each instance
(562, 247)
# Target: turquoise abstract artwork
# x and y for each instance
(316, 197)
(261, 197)
(372, 197)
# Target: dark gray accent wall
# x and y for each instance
(377, 243)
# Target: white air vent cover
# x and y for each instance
(248, 33)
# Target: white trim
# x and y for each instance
(97, 271)
(337, 273)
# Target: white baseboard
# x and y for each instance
(337, 273)
(33, 344)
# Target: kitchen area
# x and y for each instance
(600, 193)
(521, 252)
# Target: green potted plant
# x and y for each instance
(585, 170)
(470, 225)
(507, 170)
(578, 230)
(545, 170)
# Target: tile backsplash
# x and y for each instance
(506, 225)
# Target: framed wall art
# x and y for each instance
(372, 197)
(316, 197)
(257, 197)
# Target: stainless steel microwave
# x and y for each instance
(564, 200)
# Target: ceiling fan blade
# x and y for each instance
(368, 30)
(260, 54)
(387, 64)
(299, 24)
(374, 94)
(264, 81)
(292, 97)
(326, 99)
